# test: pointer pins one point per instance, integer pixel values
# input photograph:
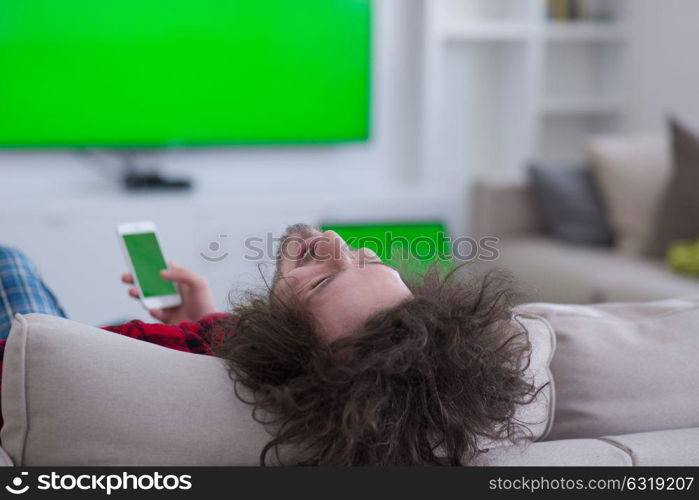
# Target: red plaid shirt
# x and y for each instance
(192, 336)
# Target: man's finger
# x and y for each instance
(157, 314)
(133, 293)
(127, 278)
(182, 275)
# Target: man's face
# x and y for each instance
(341, 286)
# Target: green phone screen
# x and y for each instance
(148, 261)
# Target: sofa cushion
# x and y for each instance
(117, 401)
(553, 271)
(538, 415)
(5, 460)
(632, 173)
(120, 401)
(570, 204)
(566, 452)
(625, 367)
(503, 207)
(677, 447)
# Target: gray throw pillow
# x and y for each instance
(678, 217)
(570, 204)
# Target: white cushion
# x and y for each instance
(632, 173)
(539, 414)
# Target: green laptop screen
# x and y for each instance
(153, 73)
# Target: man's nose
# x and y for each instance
(332, 250)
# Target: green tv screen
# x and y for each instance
(413, 247)
(154, 73)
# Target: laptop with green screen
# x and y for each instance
(409, 246)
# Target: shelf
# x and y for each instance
(504, 84)
(558, 106)
(486, 31)
(583, 31)
(556, 31)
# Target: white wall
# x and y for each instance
(663, 66)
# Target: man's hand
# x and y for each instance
(197, 299)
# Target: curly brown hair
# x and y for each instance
(423, 383)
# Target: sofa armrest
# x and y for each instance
(504, 207)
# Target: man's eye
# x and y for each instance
(320, 282)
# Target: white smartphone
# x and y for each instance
(141, 246)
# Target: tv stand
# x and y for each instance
(153, 180)
(138, 178)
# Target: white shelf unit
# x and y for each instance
(486, 31)
(504, 85)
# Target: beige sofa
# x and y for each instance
(553, 271)
(624, 391)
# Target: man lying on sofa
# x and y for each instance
(360, 365)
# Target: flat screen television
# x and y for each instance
(158, 73)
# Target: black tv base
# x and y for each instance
(134, 170)
(154, 181)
